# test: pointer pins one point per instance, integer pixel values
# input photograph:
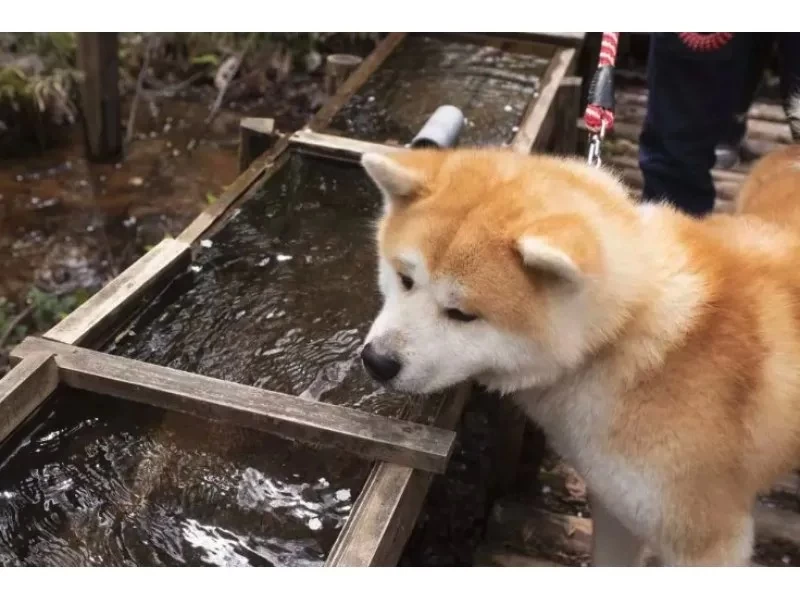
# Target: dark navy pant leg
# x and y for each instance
(692, 100)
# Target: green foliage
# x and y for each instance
(43, 310)
(57, 50)
(209, 59)
(48, 309)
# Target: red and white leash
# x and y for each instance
(599, 115)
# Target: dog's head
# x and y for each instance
(490, 266)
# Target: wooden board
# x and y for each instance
(388, 506)
(322, 119)
(24, 388)
(333, 146)
(364, 434)
(97, 58)
(102, 309)
(540, 118)
(257, 172)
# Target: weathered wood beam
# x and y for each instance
(135, 285)
(335, 146)
(540, 116)
(364, 434)
(387, 508)
(256, 136)
(99, 90)
(24, 388)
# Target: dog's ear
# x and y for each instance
(396, 181)
(559, 247)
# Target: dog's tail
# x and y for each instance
(771, 190)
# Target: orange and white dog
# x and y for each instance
(659, 353)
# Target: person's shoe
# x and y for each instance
(727, 155)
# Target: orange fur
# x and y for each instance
(680, 388)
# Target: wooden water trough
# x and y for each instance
(406, 455)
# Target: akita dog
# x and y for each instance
(659, 353)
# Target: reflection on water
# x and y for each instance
(108, 482)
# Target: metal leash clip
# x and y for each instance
(595, 142)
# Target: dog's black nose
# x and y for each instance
(380, 367)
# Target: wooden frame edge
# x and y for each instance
(132, 285)
(539, 119)
(389, 504)
(260, 168)
(320, 121)
(24, 389)
(364, 434)
(334, 146)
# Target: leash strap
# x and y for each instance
(599, 115)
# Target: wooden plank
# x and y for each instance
(789, 484)
(535, 531)
(487, 556)
(24, 388)
(766, 130)
(539, 119)
(334, 146)
(516, 44)
(563, 38)
(633, 177)
(719, 175)
(131, 286)
(387, 508)
(568, 102)
(630, 132)
(777, 524)
(99, 91)
(364, 434)
(322, 118)
(258, 171)
(759, 110)
(338, 67)
(256, 136)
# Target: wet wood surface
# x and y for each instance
(358, 432)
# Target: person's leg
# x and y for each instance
(728, 150)
(692, 97)
(789, 58)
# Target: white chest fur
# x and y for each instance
(576, 417)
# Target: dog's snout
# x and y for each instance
(381, 367)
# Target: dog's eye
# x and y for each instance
(460, 316)
(407, 282)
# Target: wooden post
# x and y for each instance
(509, 423)
(568, 101)
(100, 102)
(256, 135)
(337, 69)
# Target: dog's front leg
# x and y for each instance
(613, 545)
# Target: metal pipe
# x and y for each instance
(441, 129)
